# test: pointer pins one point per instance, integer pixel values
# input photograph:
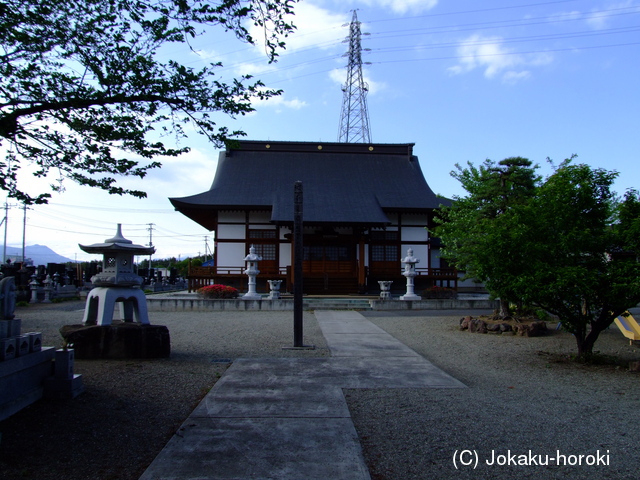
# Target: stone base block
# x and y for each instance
(7, 348)
(4, 329)
(251, 296)
(22, 380)
(410, 297)
(63, 388)
(35, 341)
(118, 340)
(22, 345)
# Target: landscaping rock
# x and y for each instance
(477, 325)
(464, 322)
(119, 340)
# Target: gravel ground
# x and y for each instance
(522, 396)
(131, 408)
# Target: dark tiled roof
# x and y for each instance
(342, 183)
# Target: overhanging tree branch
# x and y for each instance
(92, 122)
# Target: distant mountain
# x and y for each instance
(40, 254)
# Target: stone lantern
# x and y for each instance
(410, 272)
(252, 272)
(117, 282)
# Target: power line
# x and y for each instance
(479, 10)
(564, 17)
(501, 54)
(490, 41)
(115, 209)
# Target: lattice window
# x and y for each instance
(266, 250)
(383, 235)
(263, 234)
(384, 253)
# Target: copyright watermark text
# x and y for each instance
(471, 459)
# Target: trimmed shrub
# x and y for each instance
(218, 291)
(439, 292)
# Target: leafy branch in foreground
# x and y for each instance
(84, 91)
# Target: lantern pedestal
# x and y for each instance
(133, 337)
(119, 340)
(101, 303)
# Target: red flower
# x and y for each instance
(218, 291)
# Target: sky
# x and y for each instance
(463, 80)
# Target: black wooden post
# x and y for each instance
(297, 264)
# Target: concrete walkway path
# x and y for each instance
(287, 418)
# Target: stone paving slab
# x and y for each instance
(370, 345)
(287, 418)
(262, 448)
(289, 399)
(343, 372)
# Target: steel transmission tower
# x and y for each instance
(354, 118)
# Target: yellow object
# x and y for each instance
(628, 326)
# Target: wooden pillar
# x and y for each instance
(362, 277)
(297, 265)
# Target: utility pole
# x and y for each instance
(207, 250)
(6, 221)
(354, 118)
(151, 225)
(24, 233)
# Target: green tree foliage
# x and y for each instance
(86, 94)
(629, 221)
(477, 230)
(566, 245)
(583, 262)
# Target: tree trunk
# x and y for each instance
(504, 308)
(587, 341)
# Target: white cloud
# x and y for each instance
(279, 102)
(315, 27)
(489, 54)
(404, 6)
(514, 77)
(208, 55)
(599, 19)
(185, 174)
(559, 18)
(339, 76)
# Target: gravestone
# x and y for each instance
(25, 365)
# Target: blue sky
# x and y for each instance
(463, 80)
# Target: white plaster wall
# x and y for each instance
(285, 254)
(366, 255)
(230, 232)
(414, 234)
(283, 232)
(435, 258)
(231, 217)
(231, 254)
(419, 251)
